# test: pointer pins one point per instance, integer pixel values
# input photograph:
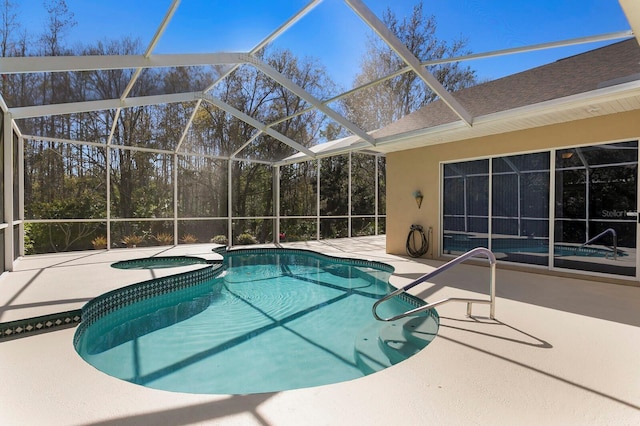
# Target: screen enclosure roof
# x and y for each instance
(218, 40)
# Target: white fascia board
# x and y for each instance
(33, 64)
(343, 145)
(357, 146)
(583, 100)
(89, 106)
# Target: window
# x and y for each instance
(504, 203)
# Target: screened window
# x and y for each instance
(520, 208)
(465, 206)
(594, 207)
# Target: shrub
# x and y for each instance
(164, 239)
(246, 239)
(220, 239)
(28, 240)
(132, 240)
(189, 239)
(99, 242)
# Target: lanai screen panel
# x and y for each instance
(141, 184)
(202, 187)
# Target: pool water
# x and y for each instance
(159, 262)
(267, 322)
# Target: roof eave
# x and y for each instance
(458, 130)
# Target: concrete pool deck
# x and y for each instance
(561, 351)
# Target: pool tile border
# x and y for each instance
(125, 296)
(351, 261)
(145, 262)
(43, 323)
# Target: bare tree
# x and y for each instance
(8, 25)
(378, 106)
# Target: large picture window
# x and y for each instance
(505, 203)
(466, 206)
(520, 208)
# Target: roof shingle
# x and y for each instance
(613, 64)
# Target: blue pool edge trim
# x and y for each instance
(145, 262)
(44, 323)
(224, 251)
(118, 298)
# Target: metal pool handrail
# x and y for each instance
(602, 234)
(492, 287)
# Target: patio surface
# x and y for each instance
(561, 351)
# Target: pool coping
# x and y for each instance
(473, 372)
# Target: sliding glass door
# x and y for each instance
(520, 208)
(506, 204)
(596, 196)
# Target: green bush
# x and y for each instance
(99, 242)
(28, 240)
(163, 238)
(132, 240)
(220, 239)
(246, 239)
(189, 239)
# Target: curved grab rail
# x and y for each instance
(474, 252)
(602, 234)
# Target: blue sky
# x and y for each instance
(333, 34)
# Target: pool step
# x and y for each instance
(384, 344)
(421, 330)
(368, 355)
(406, 337)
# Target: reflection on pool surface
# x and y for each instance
(268, 320)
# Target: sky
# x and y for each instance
(333, 34)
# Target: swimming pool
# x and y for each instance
(265, 320)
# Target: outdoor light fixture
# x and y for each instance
(567, 155)
(418, 196)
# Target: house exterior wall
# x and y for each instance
(419, 169)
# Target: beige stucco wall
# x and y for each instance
(419, 169)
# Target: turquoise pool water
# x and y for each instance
(159, 262)
(267, 322)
